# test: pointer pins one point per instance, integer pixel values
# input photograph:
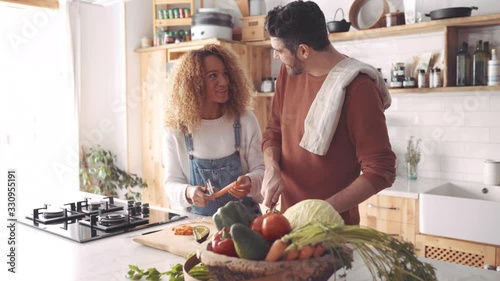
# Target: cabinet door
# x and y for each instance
(498, 256)
(399, 230)
(455, 251)
(390, 208)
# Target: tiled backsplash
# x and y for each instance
(458, 131)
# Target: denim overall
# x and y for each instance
(220, 172)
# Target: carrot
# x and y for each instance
(319, 250)
(306, 252)
(292, 254)
(220, 192)
(276, 251)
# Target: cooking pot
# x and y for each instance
(210, 23)
(338, 26)
(451, 13)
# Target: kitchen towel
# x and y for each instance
(324, 114)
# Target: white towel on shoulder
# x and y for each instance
(323, 116)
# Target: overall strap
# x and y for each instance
(237, 130)
(188, 139)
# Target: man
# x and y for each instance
(311, 150)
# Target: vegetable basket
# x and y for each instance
(230, 268)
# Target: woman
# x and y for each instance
(211, 134)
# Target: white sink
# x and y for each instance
(465, 211)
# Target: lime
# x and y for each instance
(200, 233)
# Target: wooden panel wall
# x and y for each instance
(153, 88)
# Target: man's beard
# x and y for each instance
(296, 68)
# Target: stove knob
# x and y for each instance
(130, 204)
(138, 207)
(145, 209)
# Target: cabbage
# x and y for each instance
(312, 211)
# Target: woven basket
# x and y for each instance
(225, 268)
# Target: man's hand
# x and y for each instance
(196, 194)
(272, 186)
(242, 187)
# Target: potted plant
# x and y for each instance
(412, 158)
(99, 174)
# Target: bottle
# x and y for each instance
(486, 48)
(431, 78)
(421, 78)
(437, 78)
(463, 66)
(494, 69)
(479, 65)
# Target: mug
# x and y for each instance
(491, 172)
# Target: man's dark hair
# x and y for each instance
(298, 23)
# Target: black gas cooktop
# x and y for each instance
(88, 220)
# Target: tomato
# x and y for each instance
(274, 226)
(256, 224)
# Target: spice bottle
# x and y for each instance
(437, 78)
(494, 69)
(464, 66)
(421, 78)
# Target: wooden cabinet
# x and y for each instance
(396, 216)
(457, 251)
(254, 59)
(161, 16)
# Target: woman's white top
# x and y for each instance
(214, 139)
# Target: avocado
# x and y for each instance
(249, 244)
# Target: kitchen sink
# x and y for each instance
(465, 211)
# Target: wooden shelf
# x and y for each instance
(424, 90)
(443, 89)
(417, 28)
(265, 95)
(174, 22)
(171, 2)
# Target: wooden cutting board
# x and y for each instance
(180, 245)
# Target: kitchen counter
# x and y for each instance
(44, 256)
(403, 187)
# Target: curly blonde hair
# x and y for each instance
(185, 96)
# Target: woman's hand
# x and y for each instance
(242, 187)
(196, 194)
(272, 186)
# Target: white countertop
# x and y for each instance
(44, 256)
(403, 187)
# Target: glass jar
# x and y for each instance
(409, 82)
(267, 85)
(187, 13)
(411, 170)
(187, 35)
(396, 82)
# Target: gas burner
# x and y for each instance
(112, 219)
(94, 206)
(53, 213)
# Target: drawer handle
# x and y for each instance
(381, 207)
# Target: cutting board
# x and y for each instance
(180, 245)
